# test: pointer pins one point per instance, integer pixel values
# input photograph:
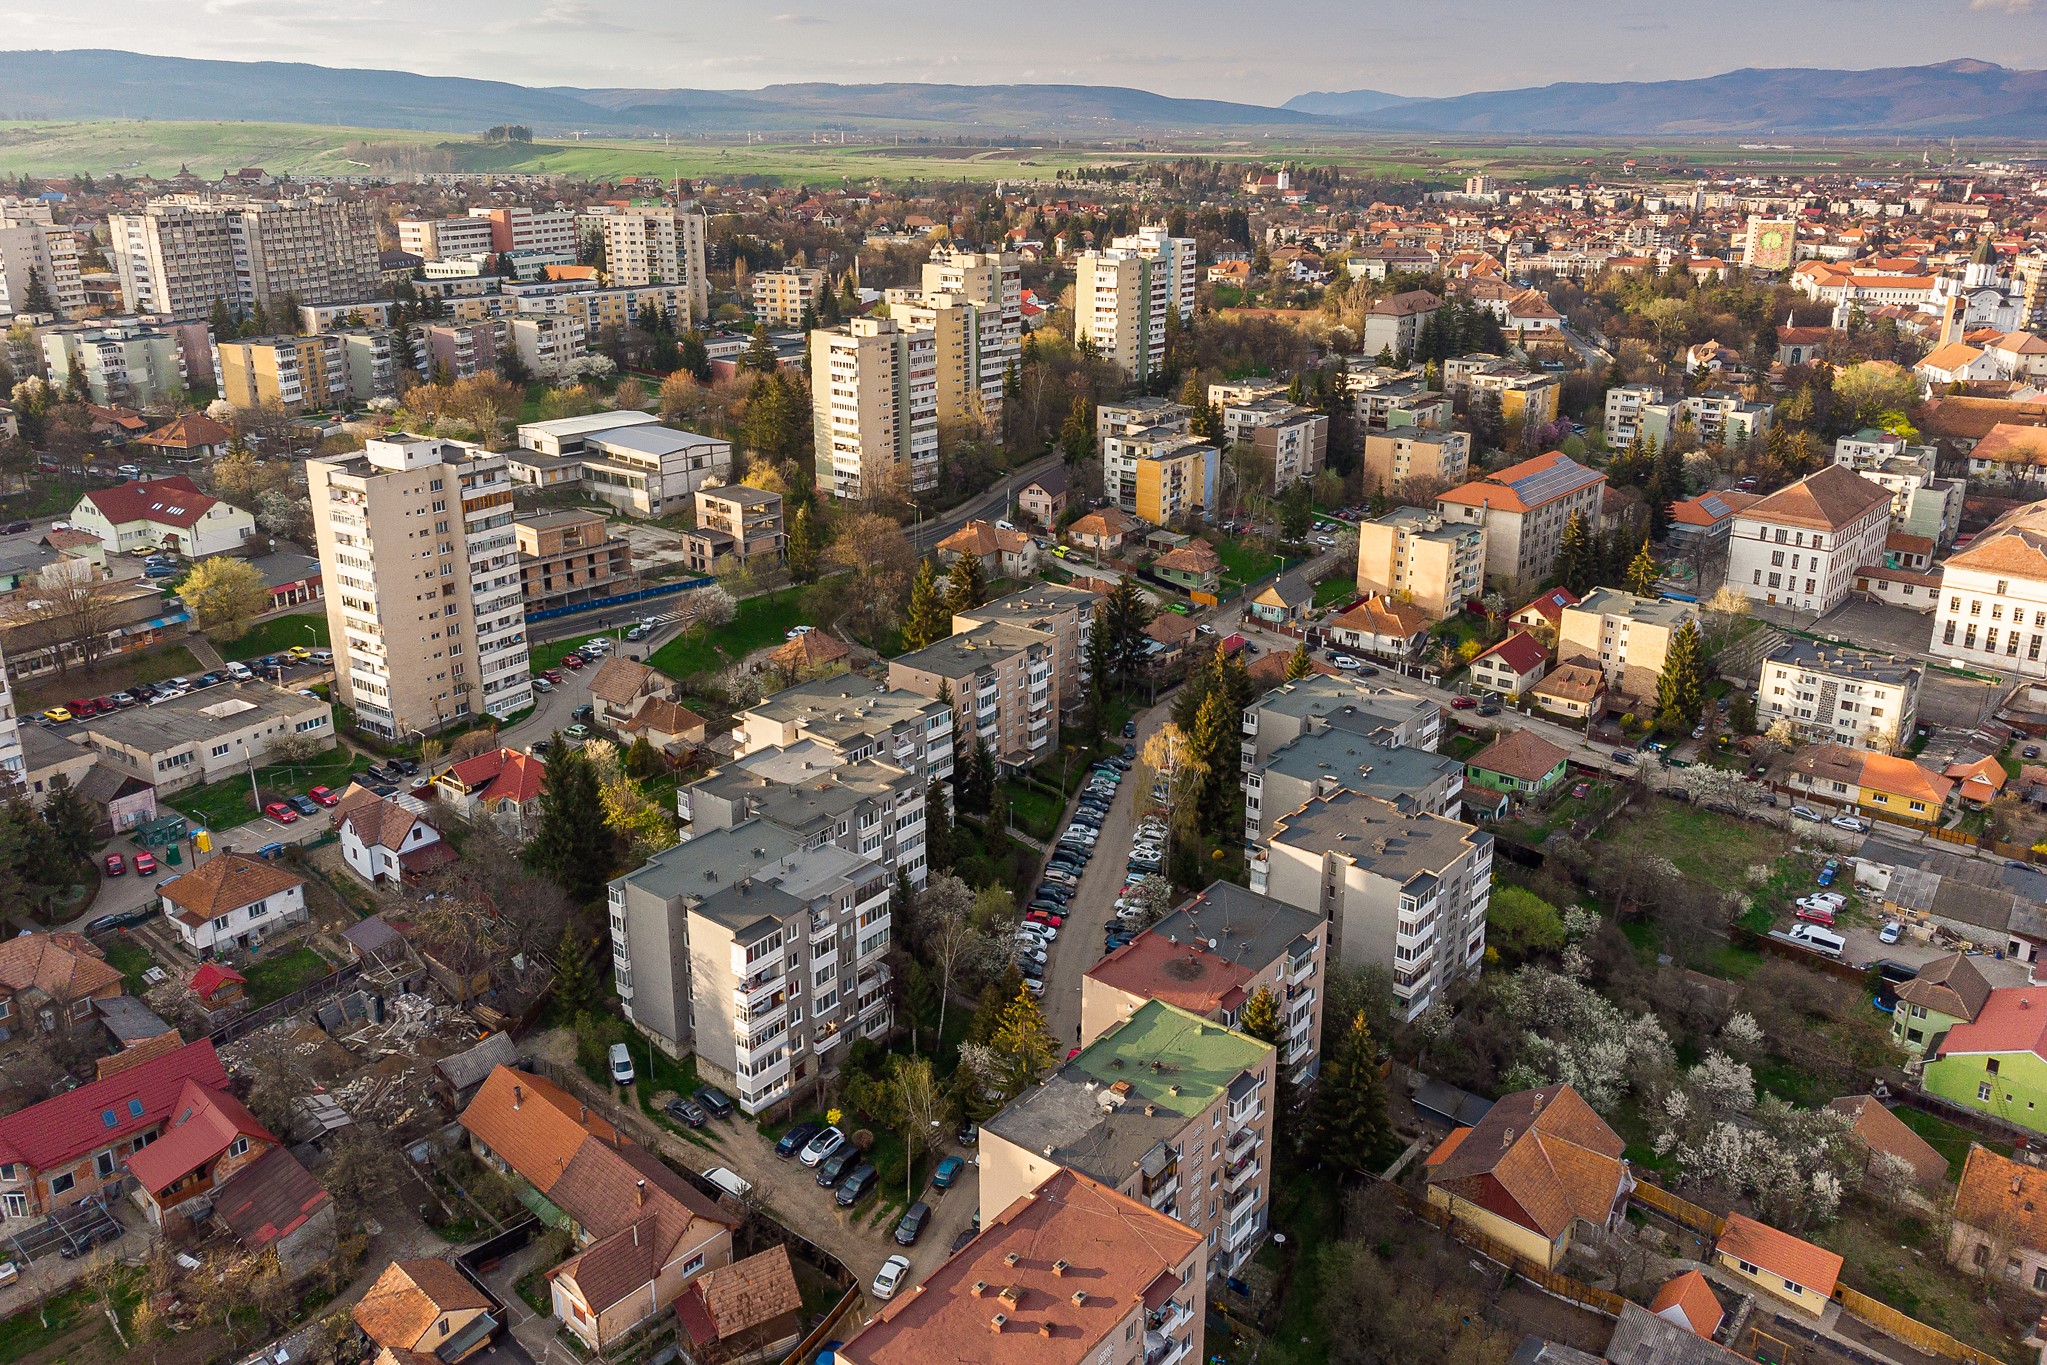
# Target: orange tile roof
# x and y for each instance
(409, 1297)
(1834, 498)
(1793, 1258)
(533, 1124)
(1882, 1131)
(1521, 754)
(63, 966)
(1540, 1158)
(1691, 1295)
(2009, 1197)
(1981, 780)
(226, 882)
(1544, 478)
(2008, 443)
(1953, 356)
(2016, 544)
(1902, 777)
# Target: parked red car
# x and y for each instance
(144, 864)
(324, 796)
(280, 812)
(115, 867)
(1046, 918)
(82, 709)
(572, 661)
(1462, 703)
(553, 675)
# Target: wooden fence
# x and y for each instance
(1911, 1331)
(1678, 1210)
(1563, 1286)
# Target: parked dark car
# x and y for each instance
(858, 1183)
(407, 766)
(86, 1239)
(714, 1100)
(122, 919)
(968, 1135)
(305, 805)
(912, 1225)
(793, 1140)
(833, 1168)
(687, 1112)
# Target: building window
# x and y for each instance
(62, 1184)
(238, 1146)
(693, 1265)
(1983, 1092)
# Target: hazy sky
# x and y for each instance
(1260, 52)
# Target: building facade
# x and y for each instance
(182, 254)
(1800, 546)
(1993, 596)
(1121, 299)
(1437, 564)
(1524, 509)
(874, 406)
(1832, 695)
(570, 557)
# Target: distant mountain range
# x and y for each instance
(1960, 98)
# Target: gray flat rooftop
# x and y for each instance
(1323, 695)
(1247, 928)
(1372, 834)
(845, 707)
(200, 715)
(589, 423)
(1360, 764)
(1844, 663)
(650, 440)
(703, 866)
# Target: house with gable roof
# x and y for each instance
(1511, 667)
(2000, 1220)
(1996, 1062)
(210, 1136)
(1787, 1268)
(751, 1310)
(229, 899)
(385, 841)
(1800, 546)
(1534, 1171)
(169, 514)
(49, 981)
(189, 437)
(504, 785)
(425, 1311)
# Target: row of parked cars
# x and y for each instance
(1046, 913)
(142, 694)
(842, 1164)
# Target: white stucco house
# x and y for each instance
(382, 841)
(229, 901)
(162, 514)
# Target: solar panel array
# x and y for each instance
(1559, 478)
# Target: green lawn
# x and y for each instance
(275, 636)
(762, 621)
(1335, 592)
(44, 499)
(1705, 845)
(1242, 564)
(1950, 1140)
(224, 804)
(273, 978)
(1033, 810)
(131, 960)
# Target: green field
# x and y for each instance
(762, 621)
(136, 147)
(275, 635)
(273, 978)
(225, 804)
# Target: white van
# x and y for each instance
(1818, 939)
(726, 1179)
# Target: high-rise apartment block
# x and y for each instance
(421, 563)
(435, 239)
(993, 282)
(655, 244)
(782, 298)
(1174, 257)
(182, 254)
(759, 952)
(128, 363)
(293, 372)
(1129, 430)
(1120, 301)
(874, 404)
(32, 248)
(521, 229)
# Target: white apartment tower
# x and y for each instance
(874, 403)
(1173, 255)
(31, 247)
(12, 764)
(1120, 301)
(422, 571)
(656, 244)
(181, 254)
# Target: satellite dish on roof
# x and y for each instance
(1211, 945)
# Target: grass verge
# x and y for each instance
(762, 621)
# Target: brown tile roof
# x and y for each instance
(63, 966)
(618, 680)
(139, 1053)
(2007, 443)
(1196, 557)
(1382, 615)
(1833, 498)
(191, 430)
(268, 1199)
(228, 881)
(1878, 1129)
(1115, 1250)
(2016, 543)
(640, 1212)
(665, 717)
(1949, 985)
(409, 1297)
(1540, 1158)
(1971, 419)
(1574, 681)
(382, 823)
(175, 501)
(811, 649)
(979, 538)
(1521, 754)
(1107, 523)
(1997, 1194)
(748, 1293)
(1793, 1258)
(534, 1125)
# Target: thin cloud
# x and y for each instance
(2005, 6)
(801, 20)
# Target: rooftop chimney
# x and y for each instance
(1011, 1259)
(1045, 1329)
(998, 1322)
(640, 1193)
(518, 1095)
(1060, 1267)
(980, 1287)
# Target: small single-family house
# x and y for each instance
(1002, 554)
(1789, 1269)
(230, 900)
(1512, 667)
(425, 1310)
(1576, 689)
(1948, 991)
(382, 841)
(49, 981)
(1383, 627)
(1520, 762)
(503, 785)
(1877, 1133)
(751, 1310)
(619, 685)
(1689, 1301)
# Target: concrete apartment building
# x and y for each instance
(992, 281)
(566, 558)
(1524, 509)
(1719, 419)
(1405, 890)
(1993, 596)
(969, 382)
(628, 459)
(204, 736)
(1832, 695)
(126, 364)
(869, 807)
(545, 343)
(1127, 430)
(1336, 759)
(1800, 546)
(1321, 701)
(424, 600)
(1172, 257)
(433, 239)
(460, 350)
(1624, 405)
(1120, 303)
(653, 244)
(1526, 396)
(1011, 1291)
(1922, 503)
(1064, 614)
(1292, 442)
(1165, 1107)
(787, 297)
(874, 405)
(1006, 673)
(849, 718)
(1258, 944)
(33, 248)
(1438, 564)
(182, 253)
(519, 229)
(297, 373)
(1170, 479)
(1395, 322)
(1394, 455)
(757, 954)
(735, 521)
(1624, 636)
(13, 763)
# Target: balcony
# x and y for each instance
(1300, 969)
(1297, 1051)
(822, 933)
(759, 987)
(1243, 1142)
(1240, 1173)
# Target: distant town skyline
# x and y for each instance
(1187, 48)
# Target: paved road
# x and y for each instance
(987, 507)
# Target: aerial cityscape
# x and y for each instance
(582, 590)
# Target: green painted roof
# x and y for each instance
(1175, 1060)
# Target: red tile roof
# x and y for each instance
(227, 882)
(204, 1123)
(1187, 975)
(1832, 499)
(1550, 606)
(1521, 652)
(268, 1199)
(1530, 484)
(1792, 1258)
(211, 976)
(175, 501)
(66, 1127)
(1540, 1158)
(2013, 1019)
(187, 432)
(1692, 1296)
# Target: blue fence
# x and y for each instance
(622, 599)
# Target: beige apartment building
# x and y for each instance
(1439, 565)
(570, 557)
(732, 519)
(424, 599)
(33, 248)
(654, 244)
(1003, 675)
(1624, 636)
(182, 253)
(1168, 1108)
(1063, 614)
(967, 390)
(296, 373)
(847, 718)
(1524, 509)
(434, 239)
(1402, 889)
(1119, 308)
(1832, 695)
(874, 404)
(1260, 945)
(993, 282)
(782, 297)
(1394, 455)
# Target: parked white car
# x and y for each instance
(1850, 822)
(1807, 813)
(890, 1277)
(821, 1146)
